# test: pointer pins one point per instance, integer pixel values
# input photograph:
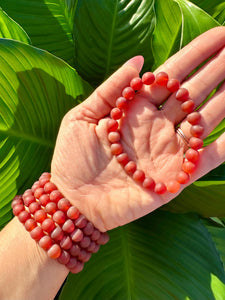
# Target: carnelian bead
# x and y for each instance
(51, 208)
(33, 207)
(116, 148)
(130, 167)
(173, 85)
(45, 175)
(123, 159)
(44, 200)
(116, 113)
(16, 202)
(43, 181)
(57, 234)
(194, 118)
(197, 130)
(162, 78)
(37, 233)
(64, 257)
(148, 78)
(183, 177)
(188, 106)
(77, 235)
(24, 216)
(139, 176)
(55, 196)
(28, 200)
(59, 217)
(66, 243)
(54, 251)
(30, 224)
(68, 226)
(40, 216)
(28, 192)
(192, 155)
(136, 83)
(182, 95)
(64, 204)
(49, 187)
(114, 137)
(73, 213)
(39, 192)
(195, 143)
(17, 209)
(45, 242)
(112, 125)
(173, 186)
(122, 103)
(188, 167)
(149, 183)
(48, 225)
(128, 93)
(160, 188)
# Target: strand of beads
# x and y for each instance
(56, 225)
(193, 117)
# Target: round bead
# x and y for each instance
(79, 267)
(97, 247)
(54, 251)
(45, 242)
(192, 155)
(49, 187)
(71, 263)
(123, 159)
(28, 192)
(91, 247)
(43, 181)
(197, 130)
(33, 207)
(160, 188)
(139, 176)
(44, 200)
(173, 85)
(28, 200)
(66, 243)
(195, 143)
(188, 167)
(114, 137)
(116, 113)
(85, 242)
(194, 118)
(183, 177)
(103, 239)
(39, 192)
(59, 217)
(188, 106)
(81, 222)
(84, 256)
(17, 209)
(24, 216)
(88, 229)
(30, 224)
(173, 186)
(122, 103)
(162, 78)
(128, 93)
(112, 125)
(149, 183)
(37, 233)
(73, 213)
(77, 235)
(64, 204)
(48, 225)
(116, 148)
(40, 216)
(64, 257)
(55, 196)
(95, 235)
(35, 186)
(16, 202)
(130, 167)
(182, 95)
(45, 175)
(51, 208)
(75, 250)
(148, 78)
(57, 234)
(68, 226)
(136, 83)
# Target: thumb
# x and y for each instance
(100, 102)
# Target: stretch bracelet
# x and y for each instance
(56, 225)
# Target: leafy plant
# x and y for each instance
(173, 253)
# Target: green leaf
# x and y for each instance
(107, 33)
(11, 30)
(36, 90)
(162, 256)
(203, 197)
(166, 36)
(49, 24)
(195, 21)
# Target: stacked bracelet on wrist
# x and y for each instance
(56, 225)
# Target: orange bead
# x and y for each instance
(189, 167)
(183, 177)
(173, 186)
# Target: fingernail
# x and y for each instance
(136, 62)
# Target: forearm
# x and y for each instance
(27, 273)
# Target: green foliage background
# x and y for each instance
(52, 54)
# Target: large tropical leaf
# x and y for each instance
(11, 30)
(107, 33)
(49, 24)
(162, 257)
(36, 90)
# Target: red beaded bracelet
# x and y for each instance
(56, 225)
(195, 143)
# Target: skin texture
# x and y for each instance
(90, 177)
